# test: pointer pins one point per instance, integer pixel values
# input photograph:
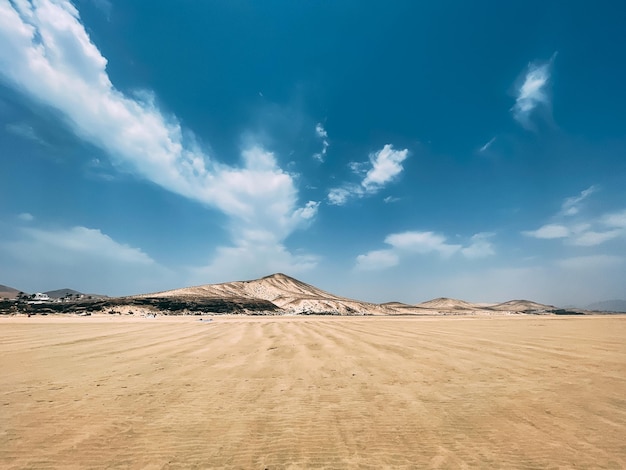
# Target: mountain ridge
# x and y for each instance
(275, 294)
(293, 296)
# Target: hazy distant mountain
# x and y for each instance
(608, 306)
(522, 306)
(444, 303)
(61, 293)
(8, 292)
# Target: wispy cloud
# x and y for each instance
(576, 230)
(422, 242)
(106, 265)
(26, 217)
(409, 243)
(47, 54)
(340, 196)
(533, 93)
(27, 132)
(485, 147)
(323, 135)
(549, 231)
(377, 259)
(614, 219)
(384, 167)
(571, 205)
(480, 246)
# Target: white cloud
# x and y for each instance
(616, 219)
(413, 242)
(385, 166)
(323, 135)
(582, 231)
(549, 231)
(339, 196)
(487, 145)
(26, 217)
(378, 259)
(480, 246)
(47, 54)
(78, 241)
(422, 242)
(82, 258)
(390, 199)
(249, 260)
(571, 205)
(359, 168)
(533, 92)
(592, 238)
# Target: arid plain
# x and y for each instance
(313, 392)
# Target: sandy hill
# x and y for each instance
(8, 292)
(287, 293)
(444, 303)
(522, 306)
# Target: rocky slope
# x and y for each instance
(290, 295)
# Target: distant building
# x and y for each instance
(39, 298)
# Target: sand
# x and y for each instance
(312, 392)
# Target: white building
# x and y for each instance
(39, 297)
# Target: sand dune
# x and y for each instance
(312, 392)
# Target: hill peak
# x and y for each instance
(446, 303)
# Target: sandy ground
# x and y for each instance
(298, 392)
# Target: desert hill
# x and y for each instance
(444, 303)
(522, 306)
(8, 292)
(287, 293)
(277, 294)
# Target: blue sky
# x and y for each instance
(379, 150)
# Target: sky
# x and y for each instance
(384, 151)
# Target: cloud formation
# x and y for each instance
(26, 217)
(533, 93)
(377, 259)
(47, 54)
(579, 231)
(485, 147)
(384, 167)
(415, 242)
(549, 231)
(571, 205)
(99, 258)
(323, 135)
